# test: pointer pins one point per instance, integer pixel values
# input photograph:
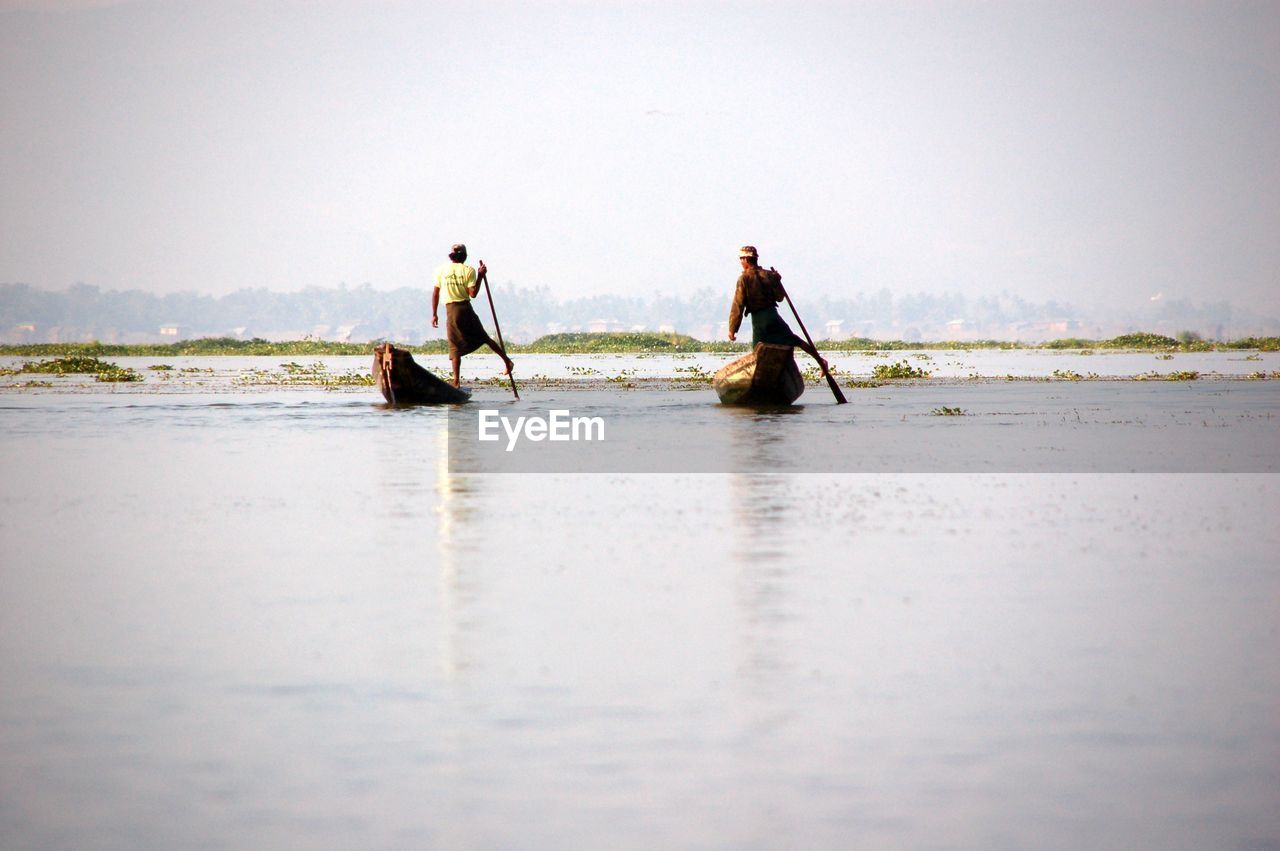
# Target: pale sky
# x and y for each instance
(1089, 152)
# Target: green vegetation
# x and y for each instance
(944, 411)
(1262, 344)
(693, 372)
(1141, 340)
(72, 365)
(865, 344)
(899, 369)
(192, 348)
(1182, 375)
(116, 373)
(81, 365)
(621, 343)
(307, 375)
(623, 378)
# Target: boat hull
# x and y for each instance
(403, 382)
(766, 376)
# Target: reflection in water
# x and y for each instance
(763, 518)
(759, 486)
(456, 497)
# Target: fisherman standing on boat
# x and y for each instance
(758, 293)
(461, 283)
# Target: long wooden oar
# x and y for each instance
(831, 382)
(498, 328)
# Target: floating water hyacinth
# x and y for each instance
(899, 369)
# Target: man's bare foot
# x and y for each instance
(510, 366)
(455, 383)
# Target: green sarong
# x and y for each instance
(768, 327)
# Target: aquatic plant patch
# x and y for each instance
(70, 365)
(82, 365)
(306, 375)
(899, 369)
(693, 373)
(116, 374)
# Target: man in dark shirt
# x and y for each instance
(758, 293)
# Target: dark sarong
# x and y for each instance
(463, 329)
(768, 327)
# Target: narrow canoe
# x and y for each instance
(767, 376)
(403, 382)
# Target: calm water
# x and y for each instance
(283, 619)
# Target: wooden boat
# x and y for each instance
(767, 376)
(403, 382)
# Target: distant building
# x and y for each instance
(173, 331)
(23, 333)
(835, 329)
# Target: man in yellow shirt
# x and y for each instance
(461, 283)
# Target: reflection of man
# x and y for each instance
(758, 293)
(461, 284)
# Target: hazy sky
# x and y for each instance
(1095, 153)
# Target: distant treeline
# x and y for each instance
(624, 342)
(530, 312)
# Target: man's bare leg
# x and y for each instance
(812, 351)
(500, 353)
(456, 360)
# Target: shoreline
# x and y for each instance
(629, 344)
(348, 384)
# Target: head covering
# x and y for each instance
(747, 251)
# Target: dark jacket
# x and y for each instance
(757, 289)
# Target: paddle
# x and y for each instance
(497, 327)
(831, 382)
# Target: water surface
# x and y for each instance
(282, 619)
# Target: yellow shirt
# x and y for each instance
(452, 279)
